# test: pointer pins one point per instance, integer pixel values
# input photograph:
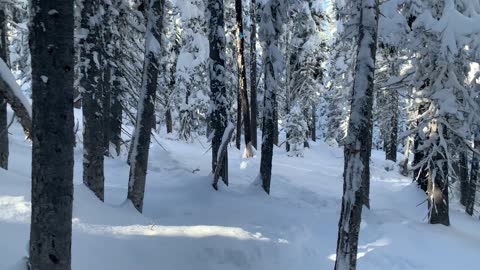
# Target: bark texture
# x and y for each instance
(218, 98)
(92, 82)
(3, 102)
(242, 73)
(472, 185)
(52, 48)
(146, 105)
(358, 142)
(253, 73)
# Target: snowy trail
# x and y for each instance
(187, 225)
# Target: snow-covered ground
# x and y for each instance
(187, 225)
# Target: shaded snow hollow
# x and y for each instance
(187, 225)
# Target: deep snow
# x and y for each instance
(187, 225)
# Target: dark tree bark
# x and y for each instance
(238, 130)
(242, 73)
(169, 121)
(313, 126)
(392, 133)
(359, 140)
(463, 177)
(218, 115)
(437, 190)
(52, 48)
(146, 105)
(472, 185)
(3, 102)
(268, 132)
(92, 82)
(253, 73)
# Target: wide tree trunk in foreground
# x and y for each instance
(52, 48)
(92, 82)
(218, 98)
(146, 104)
(358, 142)
(3, 101)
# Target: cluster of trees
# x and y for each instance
(341, 71)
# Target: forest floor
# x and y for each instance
(187, 225)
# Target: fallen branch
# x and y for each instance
(222, 153)
(10, 90)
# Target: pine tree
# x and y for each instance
(273, 16)
(91, 83)
(359, 141)
(52, 48)
(218, 103)
(3, 102)
(253, 73)
(146, 103)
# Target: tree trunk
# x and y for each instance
(52, 48)
(92, 82)
(218, 115)
(420, 171)
(169, 121)
(392, 133)
(472, 186)
(463, 177)
(253, 73)
(313, 127)
(3, 102)
(238, 130)
(146, 105)
(359, 140)
(242, 73)
(437, 190)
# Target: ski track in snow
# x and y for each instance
(187, 225)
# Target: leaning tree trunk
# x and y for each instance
(359, 140)
(52, 49)
(472, 185)
(146, 104)
(242, 73)
(218, 114)
(3, 102)
(253, 73)
(92, 82)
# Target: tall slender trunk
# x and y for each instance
(218, 98)
(3, 102)
(253, 73)
(238, 130)
(392, 134)
(242, 73)
(463, 177)
(472, 185)
(313, 126)
(92, 82)
(146, 109)
(268, 132)
(359, 140)
(52, 48)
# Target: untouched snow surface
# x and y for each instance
(187, 225)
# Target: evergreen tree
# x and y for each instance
(52, 48)
(359, 141)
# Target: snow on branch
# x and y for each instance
(10, 90)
